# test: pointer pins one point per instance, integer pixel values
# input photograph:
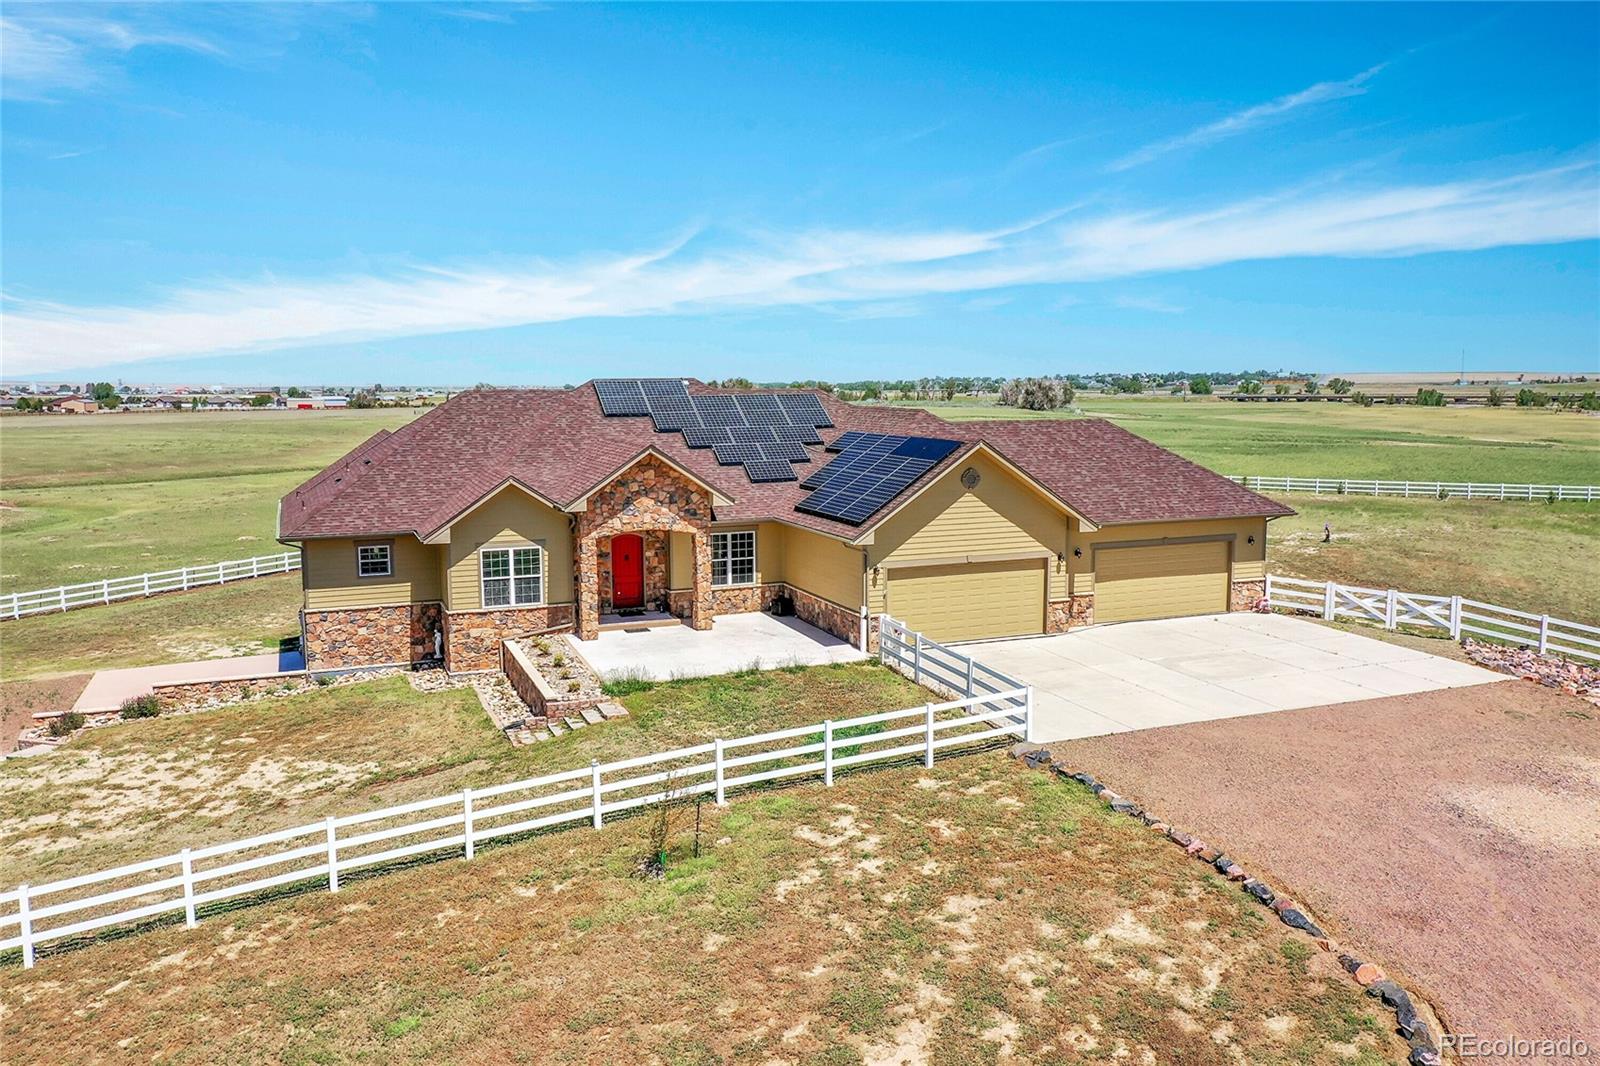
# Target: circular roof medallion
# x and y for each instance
(970, 478)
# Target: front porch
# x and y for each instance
(738, 642)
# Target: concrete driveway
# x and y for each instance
(1142, 675)
(735, 642)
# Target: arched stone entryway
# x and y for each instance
(649, 497)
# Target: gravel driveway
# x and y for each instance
(1452, 835)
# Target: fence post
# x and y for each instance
(186, 579)
(63, 591)
(1390, 611)
(466, 819)
(594, 777)
(927, 757)
(1408, 489)
(916, 660)
(1544, 634)
(827, 753)
(188, 889)
(333, 856)
(105, 591)
(1027, 714)
(147, 584)
(25, 923)
(722, 797)
(1455, 617)
(1327, 602)
(255, 566)
(970, 688)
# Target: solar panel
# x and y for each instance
(761, 409)
(769, 470)
(869, 474)
(803, 409)
(718, 410)
(803, 434)
(621, 397)
(670, 405)
(705, 436)
(750, 434)
(734, 454)
(855, 438)
(787, 450)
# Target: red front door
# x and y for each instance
(627, 570)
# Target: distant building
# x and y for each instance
(74, 405)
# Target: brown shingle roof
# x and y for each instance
(558, 444)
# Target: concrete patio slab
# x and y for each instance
(1143, 675)
(736, 642)
(107, 689)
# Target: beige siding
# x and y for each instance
(822, 566)
(680, 561)
(1003, 515)
(770, 542)
(330, 581)
(511, 516)
(1249, 560)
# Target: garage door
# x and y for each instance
(1165, 581)
(972, 600)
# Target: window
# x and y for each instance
(374, 560)
(733, 558)
(512, 576)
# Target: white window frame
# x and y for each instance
(511, 577)
(726, 552)
(386, 547)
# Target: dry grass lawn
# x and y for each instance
(978, 912)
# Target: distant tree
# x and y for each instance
(1430, 398)
(1035, 394)
(1497, 397)
(1341, 386)
(1309, 388)
(103, 391)
(363, 399)
(110, 401)
(296, 391)
(737, 383)
(1589, 401)
(194, 403)
(1281, 389)
(1532, 398)
(1361, 399)
(261, 399)
(1200, 386)
(1249, 388)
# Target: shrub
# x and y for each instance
(324, 680)
(1430, 398)
(1497, 396)
(1361, 399)
(146, 706)
(67, 724)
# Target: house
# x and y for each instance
(74, 405)
(506, 512)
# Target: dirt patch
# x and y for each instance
(20, 700)
(1450, 834)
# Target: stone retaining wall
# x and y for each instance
(473, 638)
(195, 695)
(744, 600)
(532, 688)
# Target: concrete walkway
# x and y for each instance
(1143, 675)
(735, 642)
(108, 688)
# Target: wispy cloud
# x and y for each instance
(1248, 119)
(1147, 303)
(712, 271)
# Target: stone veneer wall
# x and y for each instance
(650, 497)
(1244, 595)
(370, 636)
(472, 638)
(1058, 616)
(745, 599)
(842, 622)
(193, 695)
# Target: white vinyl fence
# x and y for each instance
(1454, 490)
(108, 590)
(316, 855)
(1455, 614)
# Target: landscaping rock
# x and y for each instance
(1293, 917)
(1222, 862)
(1526, 663)
(1208, 854)
(1122, 806)
(1391, 994)
(1281, 904)
(1260, 891)
(1036, 758)
(1425, 1056)
(1368, 973)
(1179, 837)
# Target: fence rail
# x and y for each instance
(317, 854)
(109, 590)
(1465, 490)
(1455, 614)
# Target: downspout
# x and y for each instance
(865, 600)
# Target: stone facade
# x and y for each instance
(472, 638)
(745, 599)
(842, 622)
(370, 636)
(1244, 595)
(650, 497)
(1058, 616)
(1080, 611)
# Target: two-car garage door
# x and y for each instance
(1160, 581)
(970, 600)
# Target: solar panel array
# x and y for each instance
(764, 431)
(871, 470)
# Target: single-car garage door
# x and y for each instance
(1160, 581)
(971, 600)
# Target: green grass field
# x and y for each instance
(1341, 440)
(84, 498)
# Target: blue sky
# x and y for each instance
(512, 193)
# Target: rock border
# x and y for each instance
(1409, 1023)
